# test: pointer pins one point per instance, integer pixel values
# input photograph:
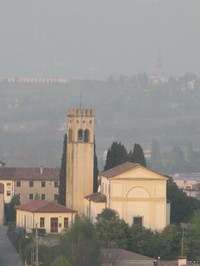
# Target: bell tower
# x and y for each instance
(80, 157)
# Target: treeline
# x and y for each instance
(82, 243)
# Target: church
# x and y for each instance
(137, 193)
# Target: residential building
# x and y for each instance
(30, 183)
(135, 192)
(43, 214)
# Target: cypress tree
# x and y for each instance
(116, 155)
(62, 175)
(138, 155)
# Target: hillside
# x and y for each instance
(127, 109)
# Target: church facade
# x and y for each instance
(135, 192)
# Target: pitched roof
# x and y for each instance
(122, 254)
(26, 173)
(43, 206)
(119, 169)
(96, 197)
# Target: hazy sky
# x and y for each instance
(97, 38)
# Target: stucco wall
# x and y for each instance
(29, 220)
(24, 190)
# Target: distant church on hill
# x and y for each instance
(138, 194)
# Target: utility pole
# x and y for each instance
(36, 247)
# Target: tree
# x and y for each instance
(193, 236)
(60, 261)
(155, 162)
(79, 244)
(137, 155)
(182, 206)
(10, 211)
(112, 231)
(37, 196)
(62, 175)
(116, 155)
(141, 240)
(170, 245)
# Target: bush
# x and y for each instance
(41, 231)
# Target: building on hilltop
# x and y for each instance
(135, 192)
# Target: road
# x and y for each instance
(8, 254)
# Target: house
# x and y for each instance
(121, 257)
(1, 204)
(137, 193)
(30, 183)
(44, 214)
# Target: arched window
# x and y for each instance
(80, 135)
(70, 135)
(86, 136)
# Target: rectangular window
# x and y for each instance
(54, 225)
(56, 197)
(137, 220)
(43, 196)
(43, 184)
(56, 184)
(8, 184)
(31, 196)
(31, 183)
(8, 193)
(18, 183)
(66, 222)
(42, 222)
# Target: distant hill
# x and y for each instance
(127, 109)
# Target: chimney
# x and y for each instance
(41, 169)
(182, 261)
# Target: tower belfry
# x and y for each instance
(80, 157)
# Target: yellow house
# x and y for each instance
(44, 214)
(137, 193)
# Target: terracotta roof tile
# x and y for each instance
(21, 173)
(119, 169)
(96, 197)
(43, 206)
(122, 254)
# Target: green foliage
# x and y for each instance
(170, 245)
(62, 176)
(60, 261)
(37, 196)
(112, 231)
(80, 244)
(10, 211)
(141, 240)
(182, 206)
(155, 161)
(138, 155)
(193, 237)
(116, 155)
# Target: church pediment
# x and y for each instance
(132, 171)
